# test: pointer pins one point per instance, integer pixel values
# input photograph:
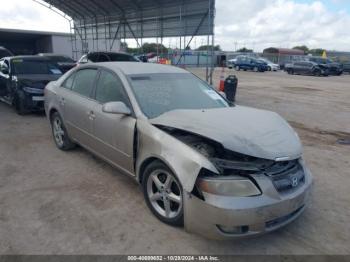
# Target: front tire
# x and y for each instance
(19, 103)
(163, 194)
(60, 134)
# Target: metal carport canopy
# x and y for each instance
(141, 18)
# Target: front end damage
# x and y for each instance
(244, 195)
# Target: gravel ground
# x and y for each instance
(52, 202)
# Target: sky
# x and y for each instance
(255, 24)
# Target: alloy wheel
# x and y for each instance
(58, 131)
(164, 193)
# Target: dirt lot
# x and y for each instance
(53, 202)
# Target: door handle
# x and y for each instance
(91, 115)
(62, 101)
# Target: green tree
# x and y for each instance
(206, 47)
(302, 48)
(146, 48)
(152, 48)
(316, 51)
(245, 50)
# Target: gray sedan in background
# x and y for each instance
(221, 170)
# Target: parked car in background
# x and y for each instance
(23, 79)
(346, 67)
(154, 59)
(334, 68)
(231, 63)
(270, 66)
(142, 58)
(307, 68)
(223, 182)
(64, 63)
(249, 63)
(95, 57)
(5, 52)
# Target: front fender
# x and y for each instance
(184, 161)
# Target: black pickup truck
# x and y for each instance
(23, 80)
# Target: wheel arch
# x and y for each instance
(51, 112)
(143, 167)
(146, 162)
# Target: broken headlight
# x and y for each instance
(33, 90)
(233, 186)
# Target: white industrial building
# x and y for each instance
(30, 42)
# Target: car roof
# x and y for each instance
(29, 57)
(133, 68)
(108, 53)
(50, 54)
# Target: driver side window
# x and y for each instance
(110, 89)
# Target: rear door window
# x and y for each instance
(84, 81)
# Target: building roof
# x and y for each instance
(283, 51)
(141, 18)
(10, 31)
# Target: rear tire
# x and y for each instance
(163, 194)
(60, 134)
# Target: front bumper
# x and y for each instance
(34, 102)
(253, 215)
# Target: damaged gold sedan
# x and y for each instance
(223, 171)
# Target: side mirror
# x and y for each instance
(116, 108)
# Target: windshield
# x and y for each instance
(259, 61)
(160, 93)
(266, 60)
(34, 67)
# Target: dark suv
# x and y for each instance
(307, 68)
(249, 63)
(95, 57)
(23, 80)
(334, 68)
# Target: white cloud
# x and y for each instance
(260, 24)
(27, 14)
(255, 23)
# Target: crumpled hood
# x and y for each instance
(244, 130)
